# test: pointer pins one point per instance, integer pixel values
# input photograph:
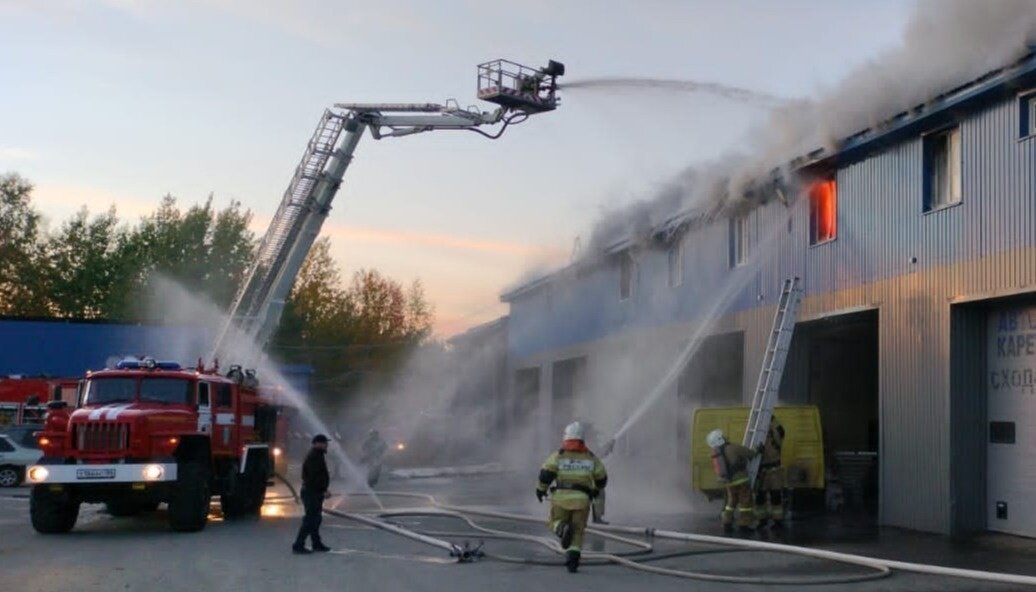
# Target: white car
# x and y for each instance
(14, 458)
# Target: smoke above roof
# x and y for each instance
(947, 43)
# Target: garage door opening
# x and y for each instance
(567, 386)
(525, 397)
(714, 377)
(833, 364)
(993, 414)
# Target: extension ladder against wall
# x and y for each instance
(773, 368)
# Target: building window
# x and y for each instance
(823, 211)
(676, 264)
(737, 240)
(1027, 115)
(625, 276)
(942, 164)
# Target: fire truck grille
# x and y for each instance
(101, 436)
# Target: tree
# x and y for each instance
(349, 334)
(97, 267)
(418, 313)
(205, 251)
(91, 268)
(23, 289)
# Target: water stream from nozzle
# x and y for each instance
(722, 299)
(177, 304)
(734, 93)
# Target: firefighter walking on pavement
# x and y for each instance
(770, 483)
(315, 481)
(730, 461)
(577, 477)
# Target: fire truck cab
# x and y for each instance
(147, 432)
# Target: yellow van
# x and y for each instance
(802, 454)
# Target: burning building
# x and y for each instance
(915, 241)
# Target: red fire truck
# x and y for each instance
(23, 399)
(147, 432)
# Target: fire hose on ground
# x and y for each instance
(644, 551)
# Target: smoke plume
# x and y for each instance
(947, 43)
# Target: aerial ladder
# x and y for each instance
(519, 92)
(774, 360)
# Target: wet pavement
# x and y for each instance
(105, 553)
(845, 532)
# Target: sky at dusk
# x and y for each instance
(118, 102)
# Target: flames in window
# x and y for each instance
(823, 211)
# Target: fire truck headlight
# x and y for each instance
(37, 474)
(277, 451)
(153, 472)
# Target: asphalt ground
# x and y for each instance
(141, 553)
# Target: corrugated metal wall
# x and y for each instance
(888, 255)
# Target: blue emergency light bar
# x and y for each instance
(146, 364)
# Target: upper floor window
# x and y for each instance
(675, 259)
(823, 211)
(1027, 115)
(737, 240)
(625, 275)
(942, 165)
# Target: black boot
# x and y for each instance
(300, 549)
(572, 561)
(320, 547)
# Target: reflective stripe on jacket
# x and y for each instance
(577, 474)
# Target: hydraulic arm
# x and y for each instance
(518, 91)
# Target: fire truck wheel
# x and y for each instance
(189, 501)
(246, 493)
(257, 486)
(52, 512)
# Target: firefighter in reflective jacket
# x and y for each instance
(578, 476)
(769, 498)
(730, 461)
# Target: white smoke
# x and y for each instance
(947, 43)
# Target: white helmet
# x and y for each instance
(715, 438)
(574, 431)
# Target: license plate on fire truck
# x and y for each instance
(95, 473)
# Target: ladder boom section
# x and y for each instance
(765, 397)
(259, 302)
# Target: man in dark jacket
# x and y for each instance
(315, 480)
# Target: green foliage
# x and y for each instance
(204, 250)
(349, 333)
(90, 267)
(96, 266)
(22, 276)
